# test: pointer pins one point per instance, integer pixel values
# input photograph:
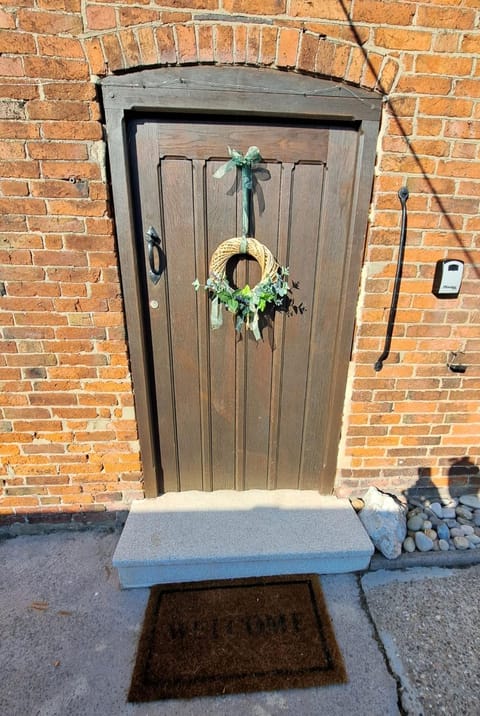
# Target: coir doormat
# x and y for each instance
(233, 636)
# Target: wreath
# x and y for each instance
(246, 303)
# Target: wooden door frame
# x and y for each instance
(228, 91)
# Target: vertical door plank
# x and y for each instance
(305, 213)
(221, 224)
(177, 185)
(278, 342)
(259, 354)
(204, 376)
(335, 241)
(157, 319)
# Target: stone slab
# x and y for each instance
(191, 536)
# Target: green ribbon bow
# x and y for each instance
(245, 162)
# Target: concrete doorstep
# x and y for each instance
(190, 536)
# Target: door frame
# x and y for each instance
(227, 91)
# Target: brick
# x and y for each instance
(424, 84)
(12, 150)
(11, 67)
(94, 54)
(445, 42)
(137, 16)
(112, 53)
(131, 51)
(22, 206)
(54, 68)
(308, 52)
(17, 89)
(64, 129)
(80, 207)
(240, 41)
(445, 106)
(450, 18)
(13, 188)
(7, 20)
(147, 45)
(186, 44)
(100, 18)
(69, 90)
(288, 44)
(255, 7)
(253, 44)
(17, 43)
(166, 45)
(327, 10)
(268, 45)
(59, 151)
(376, 11)
(404, 40)
(469, 43)
(10, 129)
(224, 44)
(340, 61)
(54, 46)
(73, 111)
(447, 65)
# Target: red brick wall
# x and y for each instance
(68, 437)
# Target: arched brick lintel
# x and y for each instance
(280, 47)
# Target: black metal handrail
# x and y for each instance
(403, 196)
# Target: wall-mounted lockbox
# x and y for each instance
(448, 278)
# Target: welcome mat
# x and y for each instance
(234, 636)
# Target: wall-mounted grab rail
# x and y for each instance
(403, 196)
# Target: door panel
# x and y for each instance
(233, 413)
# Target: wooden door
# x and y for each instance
(231, 412)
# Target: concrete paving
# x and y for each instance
(69, 635)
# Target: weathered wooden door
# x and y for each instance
(234, 412)
(218, 410)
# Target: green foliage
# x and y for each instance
(246, 303)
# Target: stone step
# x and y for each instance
(193, 536)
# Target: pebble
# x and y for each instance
(415, 523)
(424, 543)
(409, 544)
(442, 525)
(470, 501)
(443, 532)
(451, 523)
(464, 512)
(461, 542)
(437, 509)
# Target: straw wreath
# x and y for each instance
(246, 302)
(252, 247)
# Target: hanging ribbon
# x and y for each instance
(245, 162)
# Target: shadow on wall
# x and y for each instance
(463, 477)
(440, 203)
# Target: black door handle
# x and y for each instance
(155, 256)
